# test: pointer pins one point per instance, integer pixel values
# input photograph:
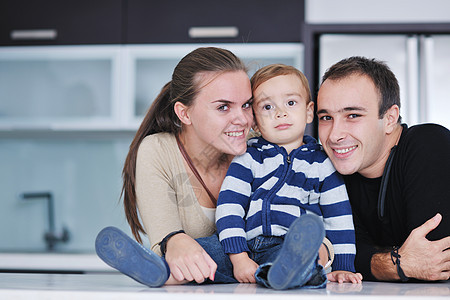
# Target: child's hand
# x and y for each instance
(244, 267)
(323, 255)
(344, 276)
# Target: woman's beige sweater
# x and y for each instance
(165, 197)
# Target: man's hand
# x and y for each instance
(244, 267)
(424, 259)
(420, 258)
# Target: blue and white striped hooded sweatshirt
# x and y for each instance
(266, 189)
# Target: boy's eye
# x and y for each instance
(267, 107)
(292, 102)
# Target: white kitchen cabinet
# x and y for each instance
(148, 68)
(100, 88)
(59, 87)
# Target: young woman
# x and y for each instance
(174, 170)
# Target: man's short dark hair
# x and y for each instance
(381, 75)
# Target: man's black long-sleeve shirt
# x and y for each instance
(418, 188)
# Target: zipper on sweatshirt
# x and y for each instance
(267, 230)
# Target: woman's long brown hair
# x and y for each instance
(161, 116)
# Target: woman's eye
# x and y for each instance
(292, 102)
(223, 107)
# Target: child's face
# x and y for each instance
(282, 111)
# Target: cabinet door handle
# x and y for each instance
(214, 32)
(34, 34)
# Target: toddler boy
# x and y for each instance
(283, 195)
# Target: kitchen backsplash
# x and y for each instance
(84, 177)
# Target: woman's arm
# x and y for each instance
(188, 260)
(164, 198)
(156, 191)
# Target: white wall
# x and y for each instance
(379, 11)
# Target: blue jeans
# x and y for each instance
(212, 246)
(264, 250)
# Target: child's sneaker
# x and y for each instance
(121, 252)
(293, 265)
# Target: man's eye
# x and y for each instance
(353, 116)
(325, 118)
(292, 102)
(247, 105)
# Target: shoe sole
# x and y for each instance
(121, 252)
(299, 252)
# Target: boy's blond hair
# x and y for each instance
(274, 70)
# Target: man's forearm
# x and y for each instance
(420, 258)
(382, 267)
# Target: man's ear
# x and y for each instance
(391, 118)
(182, 111)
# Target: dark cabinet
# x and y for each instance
(60, 22)
(198, 21)
(82, 22)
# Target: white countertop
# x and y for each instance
(75, 262)
(114, 285)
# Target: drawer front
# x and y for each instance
(56, 22)
(202, 21)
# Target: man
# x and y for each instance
(402, 230)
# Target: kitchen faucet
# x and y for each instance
(51, 237)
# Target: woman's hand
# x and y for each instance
(244, 267)
(344, 276)
(188, 260)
